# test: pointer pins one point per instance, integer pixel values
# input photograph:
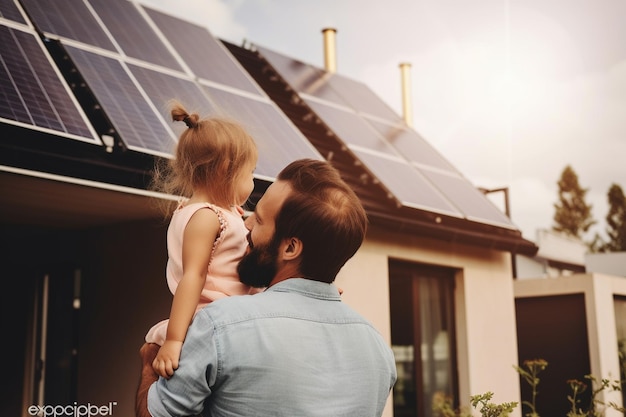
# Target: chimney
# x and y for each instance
(407, 111)
(330, 52)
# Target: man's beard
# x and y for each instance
(258, 267)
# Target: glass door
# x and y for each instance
(422, 337)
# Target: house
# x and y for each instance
(577, 323)
(83, 120)
(558, 254)
(571, 312)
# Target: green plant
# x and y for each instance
(443, 406)
(577, 387)
(488, 409)
(596, 406)
(532, 369)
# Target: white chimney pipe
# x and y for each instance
(330, 51)
(407, 110)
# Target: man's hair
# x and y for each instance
(325, 214)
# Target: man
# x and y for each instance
(294, 349)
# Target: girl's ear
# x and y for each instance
(291, 249)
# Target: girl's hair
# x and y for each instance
(211, 154)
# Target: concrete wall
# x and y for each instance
(612, 263)
(485, 312)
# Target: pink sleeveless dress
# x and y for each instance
(229, 247)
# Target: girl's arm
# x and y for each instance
(199, 237)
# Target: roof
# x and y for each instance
(460, 214)
(87, 96)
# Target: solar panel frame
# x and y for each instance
(9, 11)
(34, 93)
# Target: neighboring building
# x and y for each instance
(84, 118)
(576, 321)
(558, 255)
(611, 263)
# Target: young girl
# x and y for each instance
(206, 238)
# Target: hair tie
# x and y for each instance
(188, 122)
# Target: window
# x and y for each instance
(620, 322)
(422, 337)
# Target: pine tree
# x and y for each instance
(572, 214)
(616, 220)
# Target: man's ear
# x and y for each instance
(291, 249)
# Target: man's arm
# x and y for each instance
(147, 352)
(186, 391)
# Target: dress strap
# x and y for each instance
(223, 226)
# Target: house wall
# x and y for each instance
(485, 313)
(124, 292)
(609, 263)
(598, 291)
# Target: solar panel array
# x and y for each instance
(135, 60)
(34, 94)
(408, 166)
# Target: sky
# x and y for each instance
(510, 92)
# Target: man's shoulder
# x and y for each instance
(233, 308)
(282, 303)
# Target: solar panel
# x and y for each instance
(32, 92)
(468, 198)
(161, 88)
(406, 183)
(278, 141)
(411, 145)
(205, 56)
(9, 10)
(71, 19)
(303, 78)
(406, 164)
(361, 98)
(351, 128)
(129, 112)
(155, 57)
(133, 33)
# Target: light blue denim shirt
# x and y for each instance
(292, 350)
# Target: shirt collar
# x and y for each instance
(308, 288)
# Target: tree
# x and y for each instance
(572, 214)
(616, 220)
